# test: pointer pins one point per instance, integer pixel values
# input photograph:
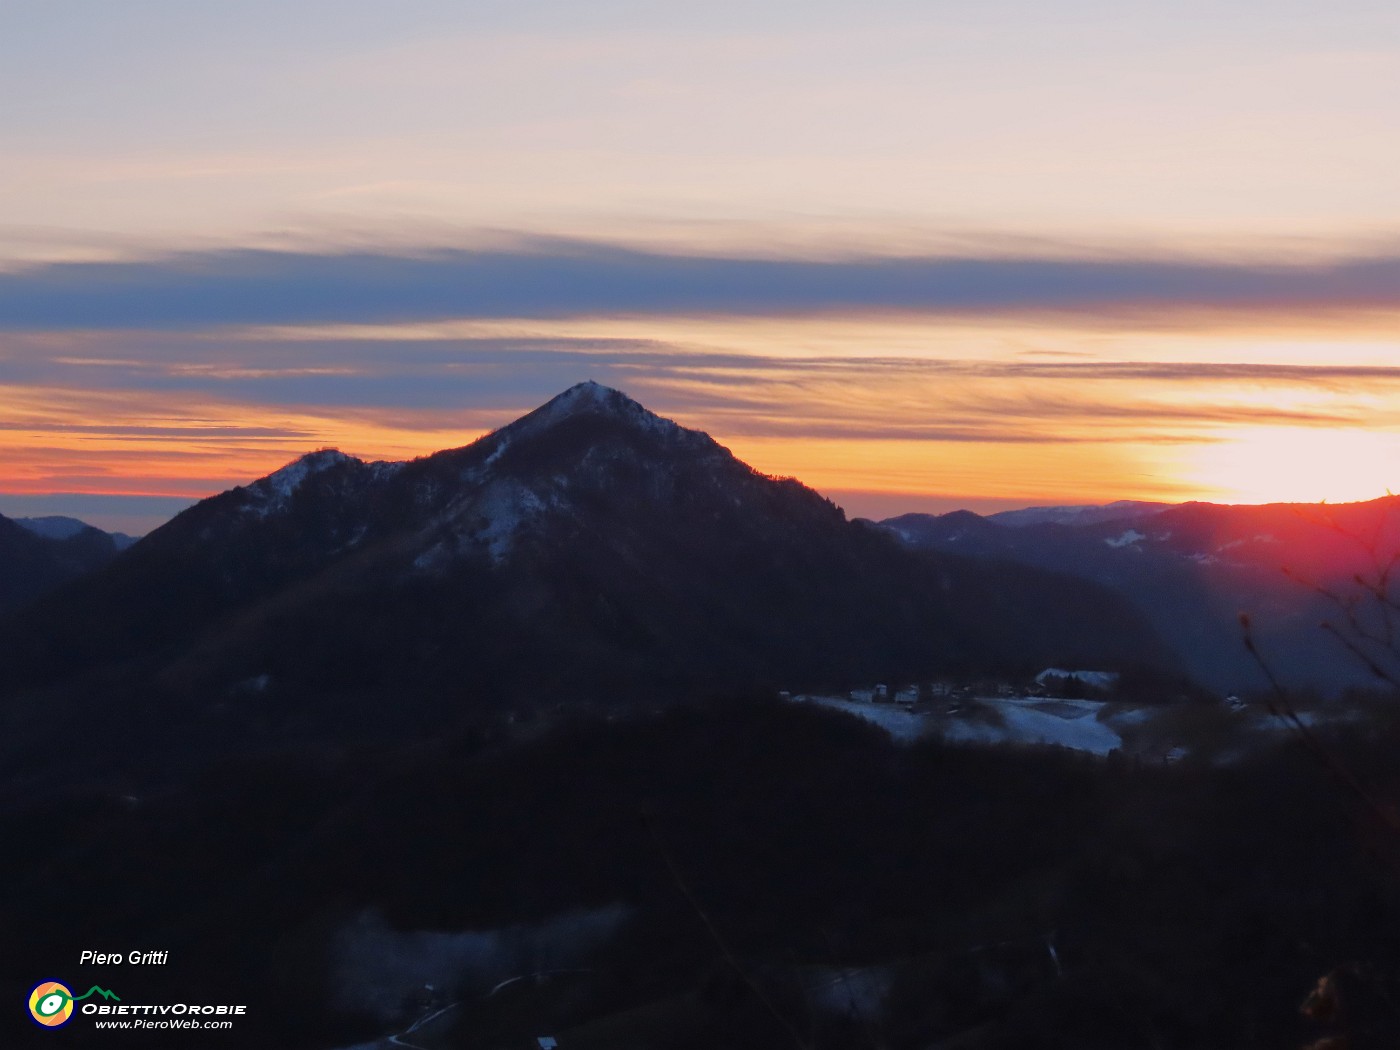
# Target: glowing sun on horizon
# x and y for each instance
(1296, 465)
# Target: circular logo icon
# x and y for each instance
(51, 1004)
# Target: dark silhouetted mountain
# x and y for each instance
(590, 551)
(58, 527)
(33, 563)
(1192, 569)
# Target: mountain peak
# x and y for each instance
(592, 392)
(297, 471)
(590, 400)
(274, 491)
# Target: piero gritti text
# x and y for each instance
(137, 957)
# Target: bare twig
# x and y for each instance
(720, 942)
(1281, 708)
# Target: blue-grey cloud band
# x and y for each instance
(572, 279)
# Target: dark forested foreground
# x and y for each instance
(744, 873)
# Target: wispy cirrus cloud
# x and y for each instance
(1204, 371)
(155, 432)
(473, 384)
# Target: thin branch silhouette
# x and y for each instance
(719, 940)
(1281, 707)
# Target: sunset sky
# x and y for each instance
(921, 255)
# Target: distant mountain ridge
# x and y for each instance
(59, 527)
(37, 559)
(1091, 514)
(589, 550)
(1193, 568)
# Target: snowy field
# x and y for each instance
(1215, 733)
(1077, 724)
(894, 720)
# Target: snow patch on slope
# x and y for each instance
(490, 521)
(506, 508)
(501, 446)
(383, 469)
(1128, 539)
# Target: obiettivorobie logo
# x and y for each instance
(51, 1003)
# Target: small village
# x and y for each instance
(944, 694)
